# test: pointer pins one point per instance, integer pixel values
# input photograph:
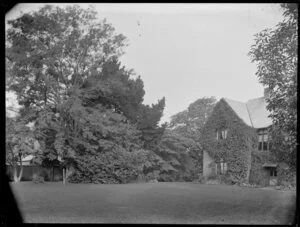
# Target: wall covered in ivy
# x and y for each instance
(237, 148)
(258, 174)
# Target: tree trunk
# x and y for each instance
(67, 175)
(52, 173)
(16, 174)
(64, 176)
(21, 171)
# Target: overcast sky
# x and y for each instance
(188, 51)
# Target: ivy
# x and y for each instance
(237, 148)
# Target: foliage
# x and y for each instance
(51, 52)
(148, 120)
(87, 109)
(199, 179)
(91, 134)
(189, 122)
(236, 149)
(180, 145)
(19, 143)
(286, 176)
(212, 176)
(259, 175)
(54, 49)
(281, 143)
(37, 179)
(115, 167)
(114, 88)
(182, 154)
(276, 53)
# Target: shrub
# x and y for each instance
(37, 179)
(212, 176)
(286, 177)
(187, 176)
(226, 179)
(57, 178)
(167, 177)
(43, 173)
(200, 179)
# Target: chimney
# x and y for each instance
(266, 93)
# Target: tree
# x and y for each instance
(50, 53)
(19, 143)
(190, 121)
(148, 120)
(116, 88)
(54, 50)
(79, 134)
(85, 105)
(275, 52)
(182, 153)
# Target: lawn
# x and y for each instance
(184, 203)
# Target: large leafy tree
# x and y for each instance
(180, 145)
(182, 153)
(19, 143)
(50, 53)
(148, 122)
(190, 121)
(276, 53)
(115, 87)
(54, 50)
(67, 75)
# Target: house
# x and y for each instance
(236, 143)
(53, 173)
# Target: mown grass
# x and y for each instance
(153, 203)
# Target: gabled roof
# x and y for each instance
(253, 113)
(31, 157)
(28, 158)
(269, 164)
(240, 109)
(258, 112)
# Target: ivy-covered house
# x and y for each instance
(236, 143)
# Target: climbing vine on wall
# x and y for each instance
(236, 149)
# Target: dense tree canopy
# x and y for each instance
(63, 65)
(54, 50)
(276, 53)
(180, 145)
(189, 122)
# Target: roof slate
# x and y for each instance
(254, 112)
(240, 109)
(259, 113)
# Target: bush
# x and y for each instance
(37, 179)
(167, 177)
(43, 173)
(226, 179)
(57, 178)
(200, 179)
(187, 176)
(286, 177)
(212, 176)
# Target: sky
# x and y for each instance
(184, 52)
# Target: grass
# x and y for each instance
(182, 203)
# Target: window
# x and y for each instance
(273, 172)
(221, 167)
(222, 134)
(287, 139)
(263, 140)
